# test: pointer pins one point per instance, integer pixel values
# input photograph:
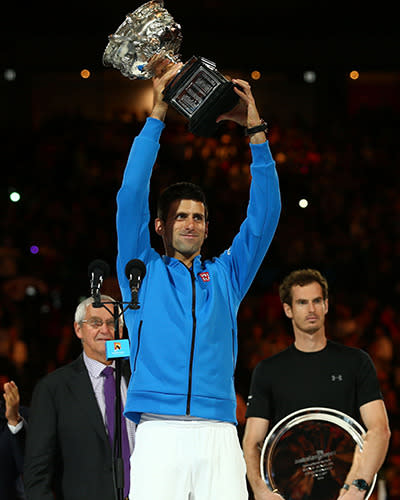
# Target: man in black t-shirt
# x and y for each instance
(315, 372)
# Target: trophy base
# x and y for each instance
(201, 94)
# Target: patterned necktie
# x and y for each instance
(109, 394)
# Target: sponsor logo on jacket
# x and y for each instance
(205, 276)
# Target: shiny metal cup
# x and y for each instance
(308, 454)
(147, 35)
(139, 49)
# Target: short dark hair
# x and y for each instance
(301, 277)
(179, 191)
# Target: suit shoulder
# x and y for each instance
(54, 378)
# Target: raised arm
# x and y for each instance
(245, 113)
(251, 243)
(16, 424)
(132, 200)
(11, 397)
(160, 107)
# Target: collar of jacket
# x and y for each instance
(197, 266)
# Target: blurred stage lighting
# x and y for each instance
(85, 74)
(15, 197)
(303, 203)
(354, 75)
(30, 291)
(309, 76)
(34, 249)
(280, 157)
(10, 75)
(255, 75)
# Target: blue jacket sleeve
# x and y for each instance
(250, 245)
(133, 215)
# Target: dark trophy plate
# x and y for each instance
(200, 93)
(309, 453)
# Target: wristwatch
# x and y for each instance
(258, 128)
(360, 484)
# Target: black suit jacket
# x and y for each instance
(11, 457)
(68, 454)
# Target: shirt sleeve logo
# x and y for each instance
(205, 276)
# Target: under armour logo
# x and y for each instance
(336, 377)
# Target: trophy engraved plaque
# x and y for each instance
(308, 454)
(139, 48)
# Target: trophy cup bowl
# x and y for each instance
(308, 454)
(138, 49)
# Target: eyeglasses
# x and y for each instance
(98, 323)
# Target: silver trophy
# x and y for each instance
(138, 49)
(308, 454)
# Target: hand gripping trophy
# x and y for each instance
(138, 49)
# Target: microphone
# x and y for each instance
(135, 271)
(98, 270)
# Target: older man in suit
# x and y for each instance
(69, 452)
(12, 443)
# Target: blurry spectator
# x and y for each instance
(12, 441)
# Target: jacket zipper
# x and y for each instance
(233, 347)
(138, 347)
(189, 391)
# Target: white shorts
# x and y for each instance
(187, 460)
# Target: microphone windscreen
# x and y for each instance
(135, 267)
(99, 266)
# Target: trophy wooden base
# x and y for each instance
(201, 94)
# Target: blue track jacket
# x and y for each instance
(184, 336)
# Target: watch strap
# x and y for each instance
(360, 484)
(258, 128)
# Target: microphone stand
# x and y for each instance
(118, 464)
(135, 268)
(117, 460)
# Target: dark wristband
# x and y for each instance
(258, 128)
(360, 484)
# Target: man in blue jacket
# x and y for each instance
(184, 335)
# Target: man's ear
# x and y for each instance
(206, 231)
(77, 328)
(159, 226)
(288, 310)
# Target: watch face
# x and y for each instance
(361, 484)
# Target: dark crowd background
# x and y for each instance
(337, 149)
